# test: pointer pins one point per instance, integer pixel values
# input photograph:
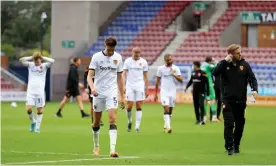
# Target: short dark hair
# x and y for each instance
(208, 59)
(110, 41)
(197, 63)
(166, 56)
(75, 59)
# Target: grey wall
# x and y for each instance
(106, 9)
(71, 20)
(231, 34)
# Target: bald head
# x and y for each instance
(136, 53)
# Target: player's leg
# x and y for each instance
(130, 99)
(229, 123)
(239, 115)
(201, 98)
(139, 98)
(40, 102)
(196, 108)
(80, 104)
(165, 100)
(111, 106)
(213, 105)
(29, 105)
(171, 106)
(62, 104)
(98, 105)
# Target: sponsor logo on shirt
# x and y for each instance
(107, 68)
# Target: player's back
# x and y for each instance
(135, 74)
(37, 78)
(106, 69)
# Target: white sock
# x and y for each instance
(138, 119)
(96, 136)
(168, 121)
(129, 116)
(113, 139)
(38, 120)
(32, 118)
(165, 124)
(214, 117)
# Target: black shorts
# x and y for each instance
(72, 92)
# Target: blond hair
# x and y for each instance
(232, 48)
(37, 55)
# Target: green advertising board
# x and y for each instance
(250, 17)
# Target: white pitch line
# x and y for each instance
(57, 161)
(53, 153)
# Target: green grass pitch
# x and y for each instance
(69, 140)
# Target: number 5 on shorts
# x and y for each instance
(115, 101)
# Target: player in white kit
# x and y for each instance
(107, 66)
(169, 75)
(36, 85)
(136, 74)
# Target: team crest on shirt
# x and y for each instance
(241, 67)
(199, 74)
(115, 61)
(95, 107)
(140, 64)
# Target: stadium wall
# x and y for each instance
(77, 22)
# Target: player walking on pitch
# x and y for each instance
(136, 74)
(208, 68)
(169, 75)
(36, 85)
(107, 66)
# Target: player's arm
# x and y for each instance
(146, 80)
(90, 81)
(204, 78)
(49, 61)
(25, 60)
(252, 81)
(157, 87)
(220, 68)
(177, 75)
(189, 83)
(120, 81)
(91, 72)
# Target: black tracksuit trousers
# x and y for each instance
(198, 99)
(234, 120)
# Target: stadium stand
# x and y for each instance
(201, 44)
(142, 24)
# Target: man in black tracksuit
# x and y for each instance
(235, 73)
(200, 89)
(72, 88)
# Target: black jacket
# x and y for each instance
(235, 79)
(73, 78)
(200, 82)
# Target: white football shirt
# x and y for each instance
(168, 82)
(135, 74)
(106, 69)
(37, 78)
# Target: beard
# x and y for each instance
(169, 63)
